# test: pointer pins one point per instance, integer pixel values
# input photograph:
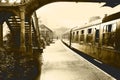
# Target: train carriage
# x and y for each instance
(99, 40)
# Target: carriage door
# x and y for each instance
(97, 36)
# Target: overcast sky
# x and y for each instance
(70, 14)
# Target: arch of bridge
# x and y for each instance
(33, 5)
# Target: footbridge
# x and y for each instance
(22, 21)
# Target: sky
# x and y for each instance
(71, 14)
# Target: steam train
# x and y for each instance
(99, 40)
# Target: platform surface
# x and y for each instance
(60, 63)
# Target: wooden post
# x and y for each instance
(22, 30)
(1, 35)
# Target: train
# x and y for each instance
(100, 40)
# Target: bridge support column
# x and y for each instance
(30, 51)
(1, 35)
(22, 30)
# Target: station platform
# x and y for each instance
(61, 63)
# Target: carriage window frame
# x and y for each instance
(82, 32)
(77, 32)
(77, 35)
(89, 31)
(109, 28)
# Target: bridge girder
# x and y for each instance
(32, 5)
(39, 3)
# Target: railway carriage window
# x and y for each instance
(73, 36)
(89, 36)
(97, 35)
(109, 28)
(82, 36)
(77, 32)
(82, 32)
(77, 35)
(89, 31)
(109, 35)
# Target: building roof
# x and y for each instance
(44, 26)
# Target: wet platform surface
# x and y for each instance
(60, 63)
